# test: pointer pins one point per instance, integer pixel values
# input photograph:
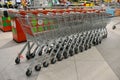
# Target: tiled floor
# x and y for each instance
(98, 63)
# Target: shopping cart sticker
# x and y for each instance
(34, 29)
(40, 22)
(46, 21)
(51, 27)
(45, 28)
(34, 22)
(40, 28)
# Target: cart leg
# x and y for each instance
(28, 54)
(114, 27)
(17, 60)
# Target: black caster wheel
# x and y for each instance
(76, 50)
(94, 43)
(59, 57)
(17, 60)
(37, 67)
(65, 55)
(114, 27)
(55, 50)
(97, 43)
(53, 61)
(45, 64)
(28, 56)
(61, 49)
(86, 47)
(81, 49)
(100, 41)
(28, 73)
(71, 52)
(32, 55)
(40, 53)
(90, 46)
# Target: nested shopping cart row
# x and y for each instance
(54, 35)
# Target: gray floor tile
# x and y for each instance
(110, 48)
(94, 67)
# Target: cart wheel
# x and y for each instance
(71, 52)
(32, 55)
(97, 42)
(90, 46)
(76, 50)
(81, 49)
(38, 67)
(45, 64)
(100, 41)
(65, 55)
(61, 48)
(114, 27)
(40, 53)
(53, 61)
(94, 43)
(28, 72)
(59, 57)
(28, 56)
(86, 47)
(17, 60)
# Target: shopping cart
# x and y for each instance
(58, 34)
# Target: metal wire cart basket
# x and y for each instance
(54, 35)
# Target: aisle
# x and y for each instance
(6, 40)
(110, 48)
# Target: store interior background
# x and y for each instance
(57, 1)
